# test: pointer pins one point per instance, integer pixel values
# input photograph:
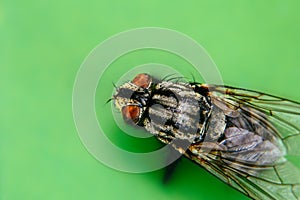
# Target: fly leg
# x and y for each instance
(170, 169)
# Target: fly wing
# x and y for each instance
(257, 186)
(261, 131)
(281, 115)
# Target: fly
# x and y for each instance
(240, 136)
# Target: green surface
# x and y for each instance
(255, 45)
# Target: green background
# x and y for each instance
(255, 45)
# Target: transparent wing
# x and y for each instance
(262, 131)
(282, 114)
(255, 186)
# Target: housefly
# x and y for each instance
(243, 137)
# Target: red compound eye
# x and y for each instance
(142, 80)
(131, 113)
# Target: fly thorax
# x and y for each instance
(176, 111)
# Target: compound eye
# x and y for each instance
(142, 80)
(131, 113)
